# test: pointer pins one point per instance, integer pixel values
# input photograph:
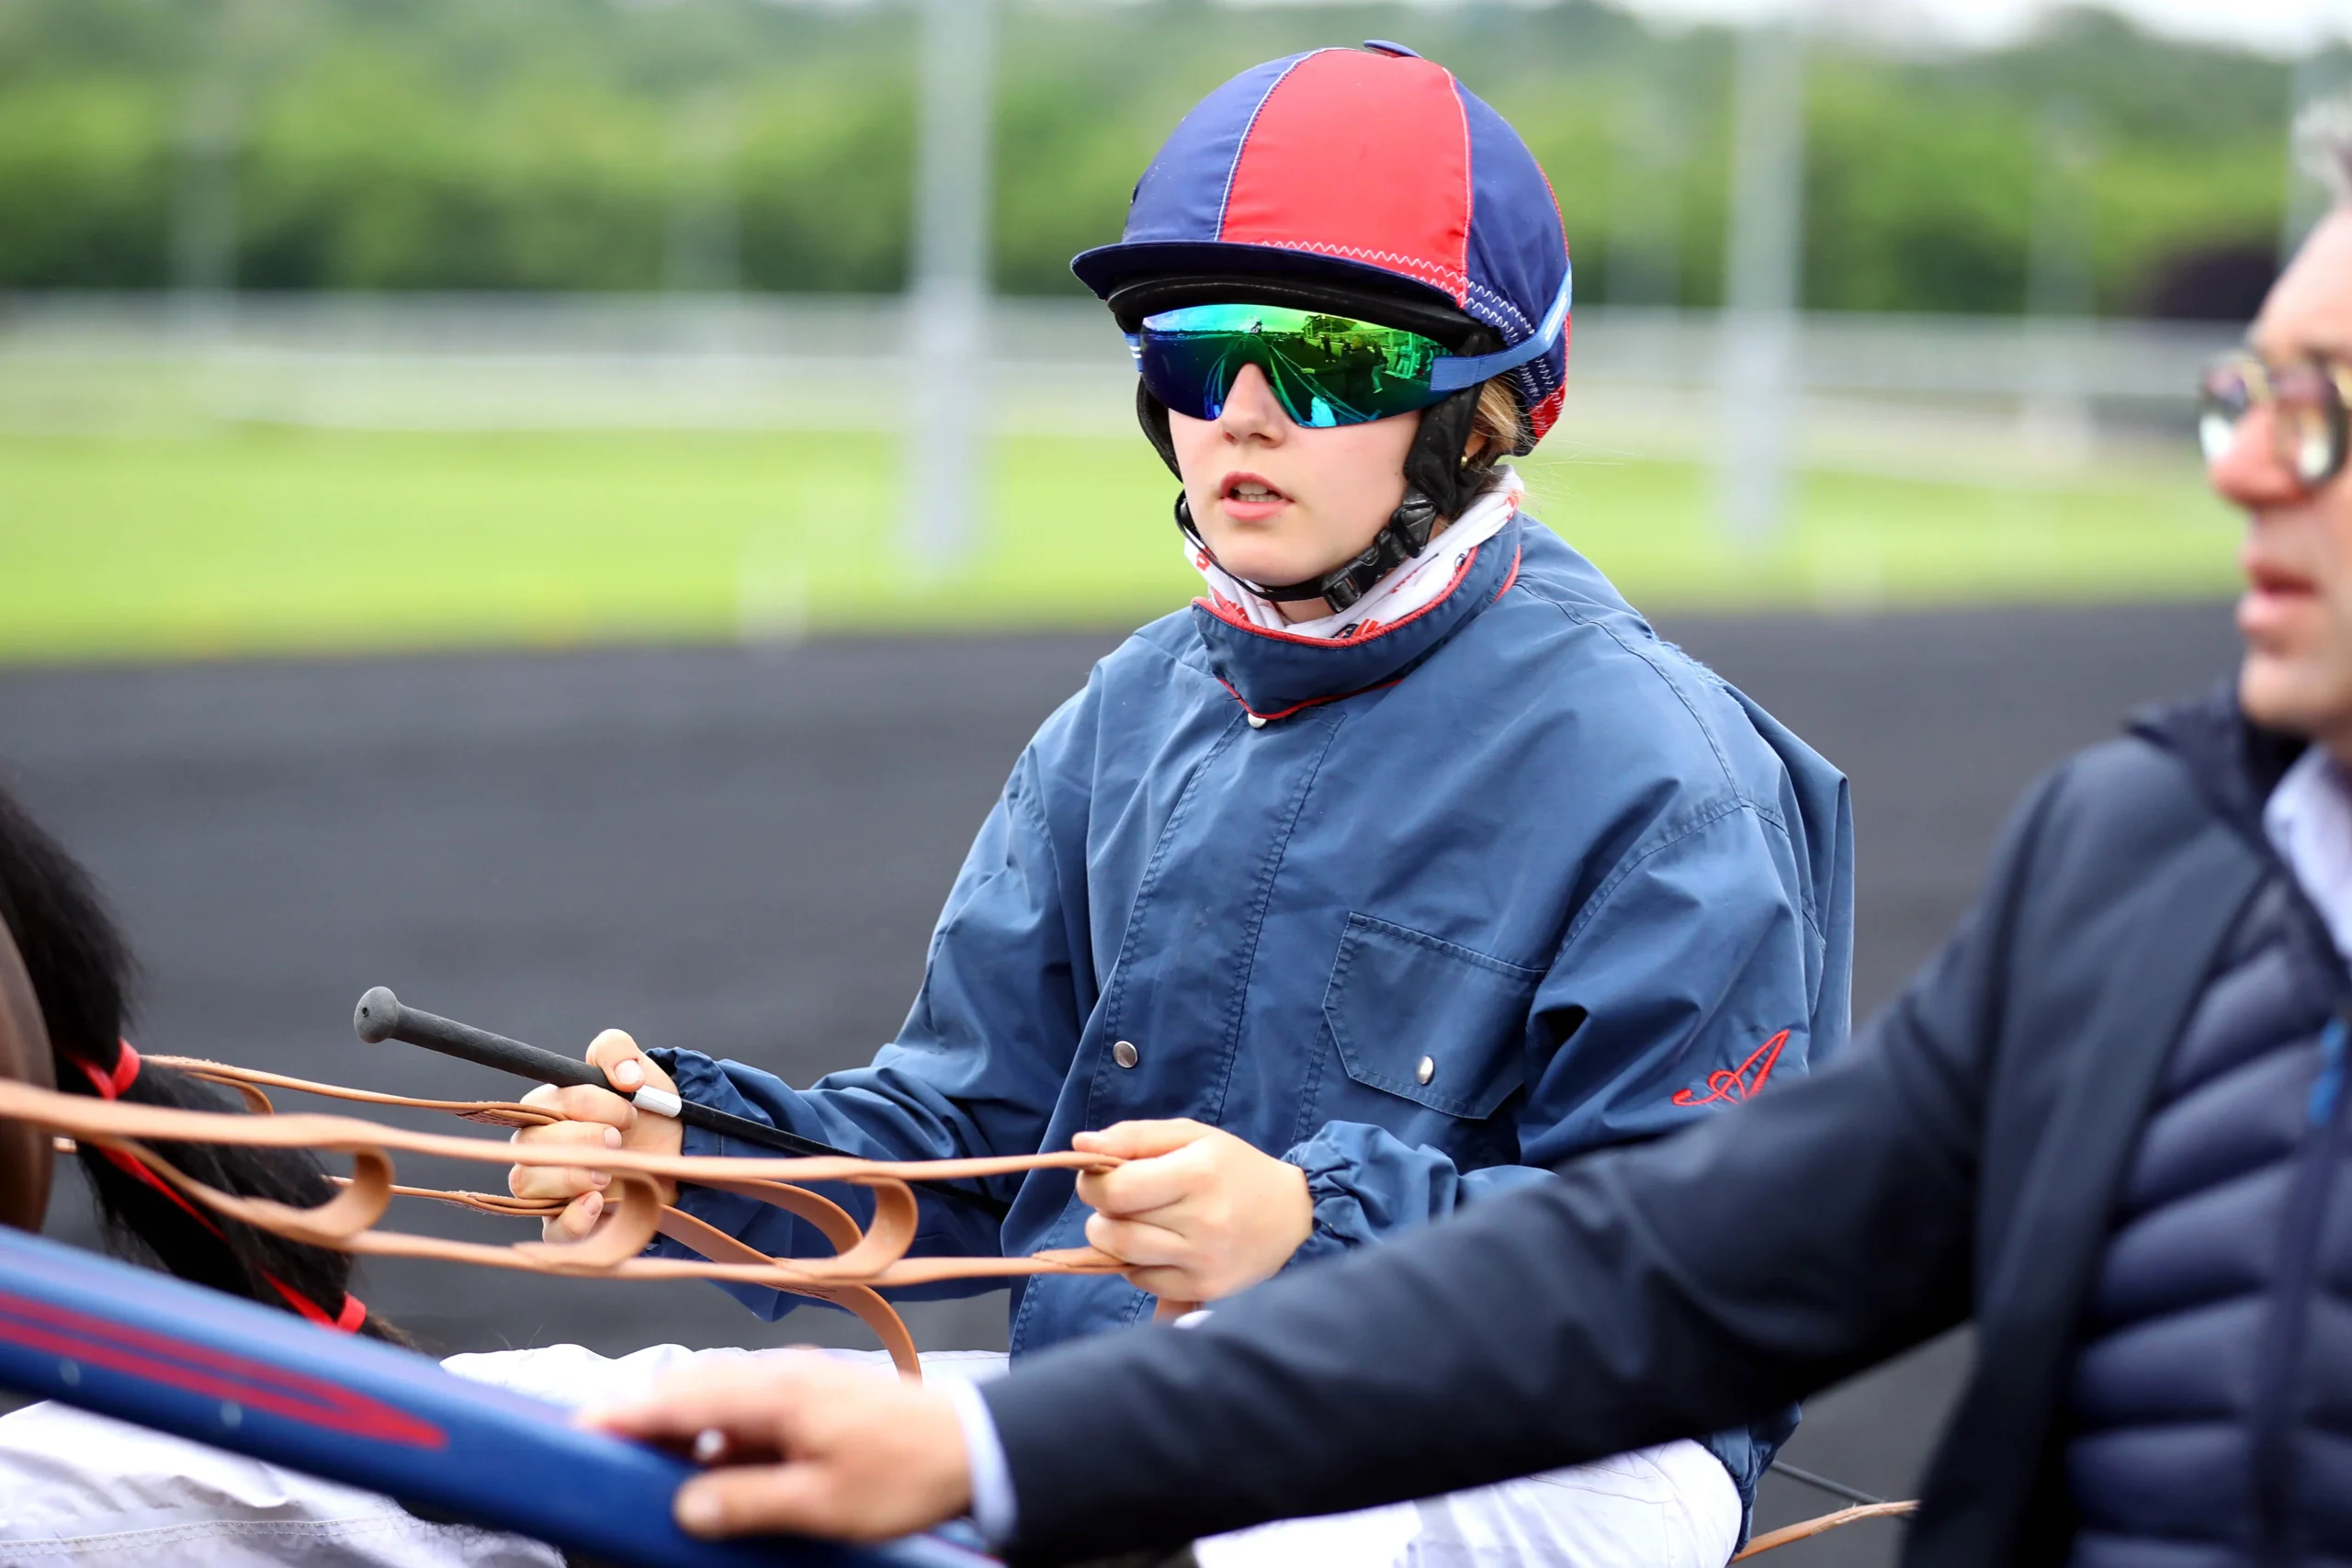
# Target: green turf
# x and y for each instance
(257, 538)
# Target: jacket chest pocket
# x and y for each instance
(1425, 1022)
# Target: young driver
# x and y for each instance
(1406, 861)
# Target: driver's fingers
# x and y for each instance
(1135, 1241)
(1142, 1140)
(583, 1102)
(577, 1218)
(624, 1062)
(1142, 1186)
(561, 1180)
(1169, 1284)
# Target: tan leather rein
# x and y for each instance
(865, 1258)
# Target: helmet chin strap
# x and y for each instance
(1440, 480)
(1401, 538)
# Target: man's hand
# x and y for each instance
(600, 1120)
(1197, 1213)
(809, 1445)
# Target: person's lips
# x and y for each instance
(2275, 593)
(1250, 498)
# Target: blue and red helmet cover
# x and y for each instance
(1343, 162)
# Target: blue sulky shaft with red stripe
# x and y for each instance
(143, 1347)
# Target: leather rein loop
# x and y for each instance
(866, 1259)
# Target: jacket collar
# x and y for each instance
(2234, 762)
(1273, 675)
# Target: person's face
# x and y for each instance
(1278, 503)
(2297, 612)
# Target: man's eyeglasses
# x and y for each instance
(2307, 411)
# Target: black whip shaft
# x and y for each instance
(380, 1016)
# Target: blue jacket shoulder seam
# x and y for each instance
(1698, 824)
(1029, 801)
(1707, 732)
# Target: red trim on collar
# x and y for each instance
(1508, 578)
(1309, 702)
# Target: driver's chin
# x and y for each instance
(1272, 567)
(2305, 691)
(1272, 556)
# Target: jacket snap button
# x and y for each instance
(1257, 721)
(1426, 1071)
(1125, 1053)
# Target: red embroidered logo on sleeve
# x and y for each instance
(1745, 1081)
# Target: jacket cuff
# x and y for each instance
(699, 1079)
(1347, 1213)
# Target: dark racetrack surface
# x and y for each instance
(743, 849)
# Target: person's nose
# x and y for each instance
(2249, 471)
(1251, 409)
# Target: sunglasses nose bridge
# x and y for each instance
(1251, 405)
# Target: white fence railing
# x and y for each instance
(1642, 381)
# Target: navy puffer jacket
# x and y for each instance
(2212, 1400)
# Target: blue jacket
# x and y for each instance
(1423, 912)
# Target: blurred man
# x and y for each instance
(2107, 1124)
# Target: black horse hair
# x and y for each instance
(83, 976)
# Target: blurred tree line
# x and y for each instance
(597, 144)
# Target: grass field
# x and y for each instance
(259, 538)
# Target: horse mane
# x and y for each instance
(80, 976)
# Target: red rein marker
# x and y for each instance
(113, 1086)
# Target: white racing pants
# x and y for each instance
(81, 1490)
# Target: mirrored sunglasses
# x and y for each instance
(1325, 370)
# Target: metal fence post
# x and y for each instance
(702, 249)
(946, 345)
(1763, 272)
(2062, 286)
(204, 195)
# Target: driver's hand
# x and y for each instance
(1195, 1213)
(597, 1119)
